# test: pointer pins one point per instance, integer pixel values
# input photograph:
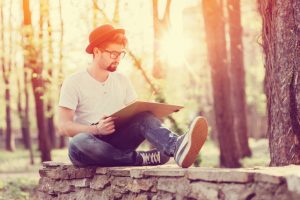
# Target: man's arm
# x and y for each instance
(69, 128)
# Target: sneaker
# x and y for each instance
(189, 145)
(152, 157)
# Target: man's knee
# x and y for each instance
(84, 149)
(147, 118)
(147, 115)
(79, 140)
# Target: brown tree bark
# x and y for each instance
(24, 126)
(238, 77)
(50, 100)
(281, 44)
(24, 112)
(21, 112)
(160, 26)
(217, 56)
(31, 61)
(6, 72)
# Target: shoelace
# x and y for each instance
(150, 158)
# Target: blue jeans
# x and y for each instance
(118, 149)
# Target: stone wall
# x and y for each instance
(64, 181)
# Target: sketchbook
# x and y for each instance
(160, 110)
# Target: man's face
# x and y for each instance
(109, 57)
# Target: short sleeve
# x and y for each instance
(69, 96)
(130, 92)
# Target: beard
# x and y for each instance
(112, 67)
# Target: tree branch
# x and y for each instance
(166, 18)
(101, 11)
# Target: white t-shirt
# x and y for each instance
(92, 99)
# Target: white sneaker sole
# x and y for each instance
(195, 139)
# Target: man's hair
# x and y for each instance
(117, 38)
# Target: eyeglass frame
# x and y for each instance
(112, 54)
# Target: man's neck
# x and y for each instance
(97, 73)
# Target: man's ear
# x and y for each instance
(95, 50)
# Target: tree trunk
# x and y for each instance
(25, 123)
(238, 78)
(50, 125)
(217, 56)
(30, 60)
(21, 114)
(61, 43)
(9, 140)
(24, 126)
(50, 100)
(10, 135)
(62, 142)
(160, 26)
(281, 44)
(6, 72)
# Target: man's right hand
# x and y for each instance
(105, 126)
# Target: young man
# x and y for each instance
(90, 95)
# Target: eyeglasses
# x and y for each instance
(115, 54)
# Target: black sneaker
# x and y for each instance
(189, 144)
(152, 157)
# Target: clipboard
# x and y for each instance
(160, 110)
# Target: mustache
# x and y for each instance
(114, 63)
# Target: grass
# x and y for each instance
(260, 154)
(18, 179)
(18, 188)
(18, 161)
